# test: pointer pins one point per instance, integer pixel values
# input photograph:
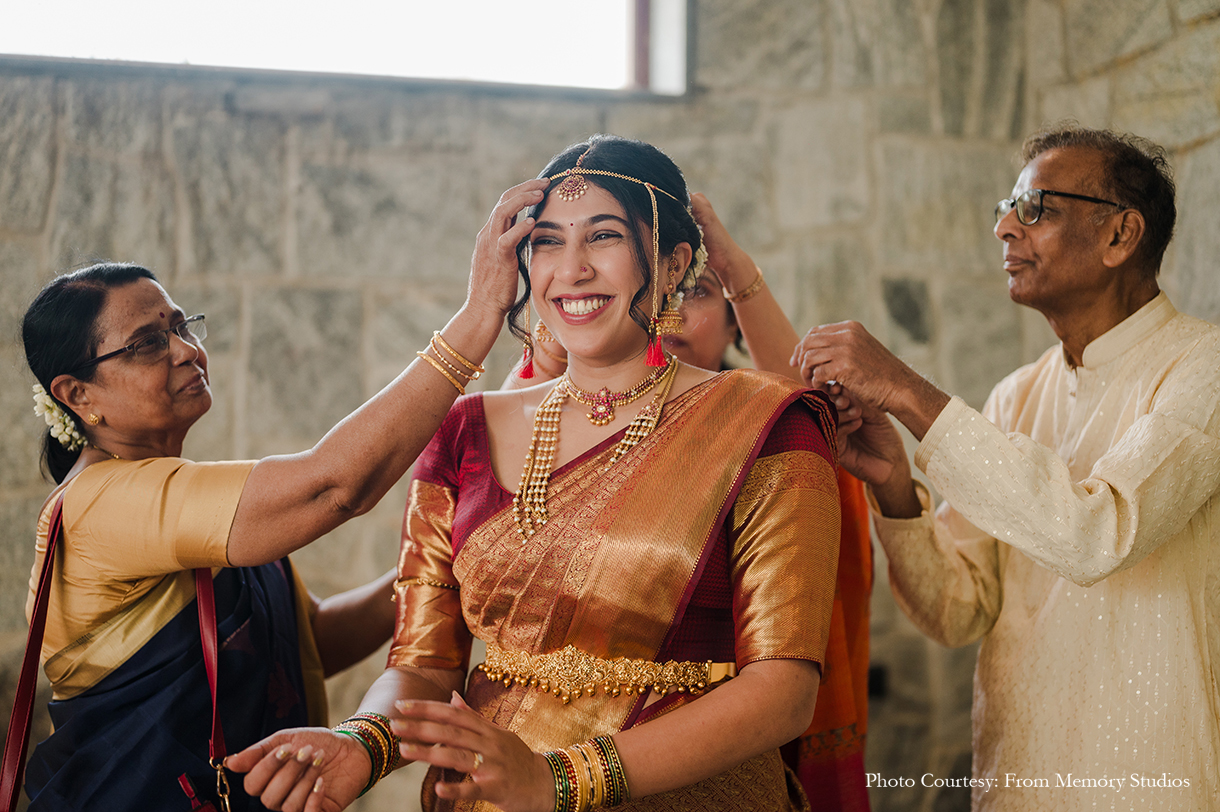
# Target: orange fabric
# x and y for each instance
(829, 758)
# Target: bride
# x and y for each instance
(647, 549)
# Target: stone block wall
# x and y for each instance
(855, 147)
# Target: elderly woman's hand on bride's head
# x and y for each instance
(493, 268)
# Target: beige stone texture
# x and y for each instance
(27, 157)
(1196, 256)
(1098, 33)
(938, 202)
(820, 164)
(1086, 102)
(1192, 10)
(778, 46)
(1169, 95)
(325, 225)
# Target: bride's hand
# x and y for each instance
(493, 268)
(504, 771)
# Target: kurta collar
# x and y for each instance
(1128, 333)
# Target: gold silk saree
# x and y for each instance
(613, 572)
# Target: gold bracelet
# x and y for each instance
(440, 356)
(436, 365)
(591, 763)
(476, 369)
(755, 287)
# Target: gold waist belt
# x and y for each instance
(570, 673)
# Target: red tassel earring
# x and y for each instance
(656, 354)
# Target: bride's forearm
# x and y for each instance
(768, 704)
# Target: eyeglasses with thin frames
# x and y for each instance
(153, 347)
(1029, 204)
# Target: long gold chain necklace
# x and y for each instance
(529, 503)
(603, 401)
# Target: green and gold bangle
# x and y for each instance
(588, 775)
(373, 732)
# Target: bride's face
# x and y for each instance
(584, 274)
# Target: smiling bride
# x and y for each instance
(647, 549)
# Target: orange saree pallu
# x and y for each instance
(714, 539)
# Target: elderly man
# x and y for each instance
(1078, 537)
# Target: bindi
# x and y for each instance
(162, 315)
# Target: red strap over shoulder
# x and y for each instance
(207, 631)
(18, 740)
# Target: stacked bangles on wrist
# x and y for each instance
(450, 363)
(588, 775)
(373, 732)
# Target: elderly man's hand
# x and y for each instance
(847, 354)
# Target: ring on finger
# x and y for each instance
(478, 762)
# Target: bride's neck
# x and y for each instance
(617, 376)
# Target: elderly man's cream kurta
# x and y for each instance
(1100, 612)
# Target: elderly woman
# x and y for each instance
(122, 376)
(656, 594)
(731, 302)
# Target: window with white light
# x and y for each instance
(605, 44)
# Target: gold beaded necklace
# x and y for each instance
(603, 401)
(529, 503)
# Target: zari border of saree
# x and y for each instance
(637, 713)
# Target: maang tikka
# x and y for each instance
(669, 321)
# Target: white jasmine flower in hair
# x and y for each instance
(63, 427)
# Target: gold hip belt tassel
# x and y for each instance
(571, 673)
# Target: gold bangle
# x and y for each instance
(440, 356)
(592, 765)
(755, 287)
(476, 369)
(436, 365)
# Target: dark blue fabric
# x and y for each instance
(122, 744)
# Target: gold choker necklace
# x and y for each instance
(603, 401)
(529, 503)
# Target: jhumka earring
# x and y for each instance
(669, 321)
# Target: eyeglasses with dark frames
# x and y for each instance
(1029, 204)
(151, 348)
